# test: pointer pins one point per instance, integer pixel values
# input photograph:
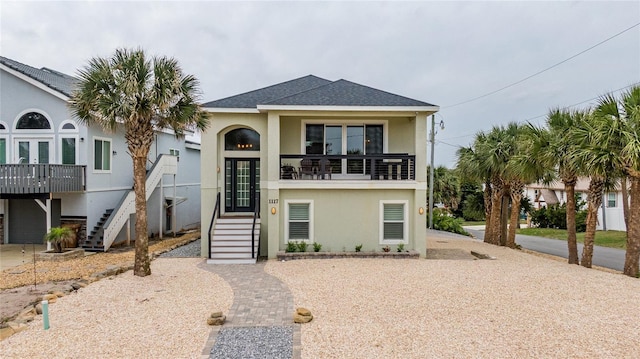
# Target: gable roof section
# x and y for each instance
(252, 99)
(52, 79)
(313, 91)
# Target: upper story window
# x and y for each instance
(611, 199)
(345, 139)
(242, 139)
(68, 126)
(3, 143)
(102, 155)
(33, 121)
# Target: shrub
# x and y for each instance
(358, 247)
(400, 247)
(302, 246)
(556, 217)
(291, 247)
(317, 247)
(59, 237)
(443, 221)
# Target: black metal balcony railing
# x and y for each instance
(390, 166)
(41, 178)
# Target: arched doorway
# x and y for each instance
(241, 170)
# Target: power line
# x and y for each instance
(541, 71)
(545, 114)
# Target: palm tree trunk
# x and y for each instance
(487, 210)
(625, 201)
(516, 197)
(142, 265)
(570, 189)
(632, 256)
(496, 206)
(596, 188)
(504, 215)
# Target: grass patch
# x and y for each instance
(473, 223)
(611, 239)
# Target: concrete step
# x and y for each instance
(235, 226)
(234, 243)
(226, 255)
(241, 220)
(231, 261)
(219, 232)
(228, 249)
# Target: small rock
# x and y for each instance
(17, 326)
(6, 333)
(216, 321)
(51, 298)
(216, 315)
(58, 294)
(78, 285)
(17, 271)
(39, 308)
(300, 319)
(303, 311)
(481, 255)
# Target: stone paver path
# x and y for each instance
(260, 300)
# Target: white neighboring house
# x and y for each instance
(542, 195)
(55, 170)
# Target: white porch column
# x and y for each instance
(47, 210)
(174, 209)
(420, 197)
(160, 208)
(273, 176)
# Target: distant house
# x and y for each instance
(320, 161)
(54, 170)
(542, 195)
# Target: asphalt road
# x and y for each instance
(602, 256)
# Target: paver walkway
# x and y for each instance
(259, 300)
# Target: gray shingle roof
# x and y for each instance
(314, 91)
(53, 79)
(264, 95)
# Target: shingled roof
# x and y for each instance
(314, 91)
(53, 79)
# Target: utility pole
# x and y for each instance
(432, 137)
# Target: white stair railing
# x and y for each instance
(164, 165)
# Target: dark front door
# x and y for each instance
(242, 182)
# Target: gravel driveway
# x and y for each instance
(517, 306)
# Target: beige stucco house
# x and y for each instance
(320, 161)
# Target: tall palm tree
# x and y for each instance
(138, 95)
(472, 166)
(550, 148)
(618, 127)
(446, 187)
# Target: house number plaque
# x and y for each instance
(273, 201)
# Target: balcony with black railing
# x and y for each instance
(389, 166)
(25, 179)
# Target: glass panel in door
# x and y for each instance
(23, 152)
(333, 146)
(33, 151)
(243, 184)
(355, 146)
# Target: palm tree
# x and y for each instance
(618, 128)
(472, 167)
(138, 95)
(446, 187)
(549, 149)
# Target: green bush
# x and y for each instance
(317, 247)
(400, 247)
(443, 221)
(358, 247)
(555, 216)
(291, 247)
(302, 246)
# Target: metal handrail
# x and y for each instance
(256, 214)
(216, 210)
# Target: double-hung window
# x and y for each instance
(102, 155)
(394, 223)
(299, 217)
(611, 199)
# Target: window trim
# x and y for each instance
(345, 123)
(93, 154)
(609, 199)
(15, 128)
(286, 220)
(405, 228)
(60, 149)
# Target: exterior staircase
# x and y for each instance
(231, 240)
(112, 222)
(94, 241)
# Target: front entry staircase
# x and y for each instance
(231, 240)
(110, 225)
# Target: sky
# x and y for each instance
(442, 52)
